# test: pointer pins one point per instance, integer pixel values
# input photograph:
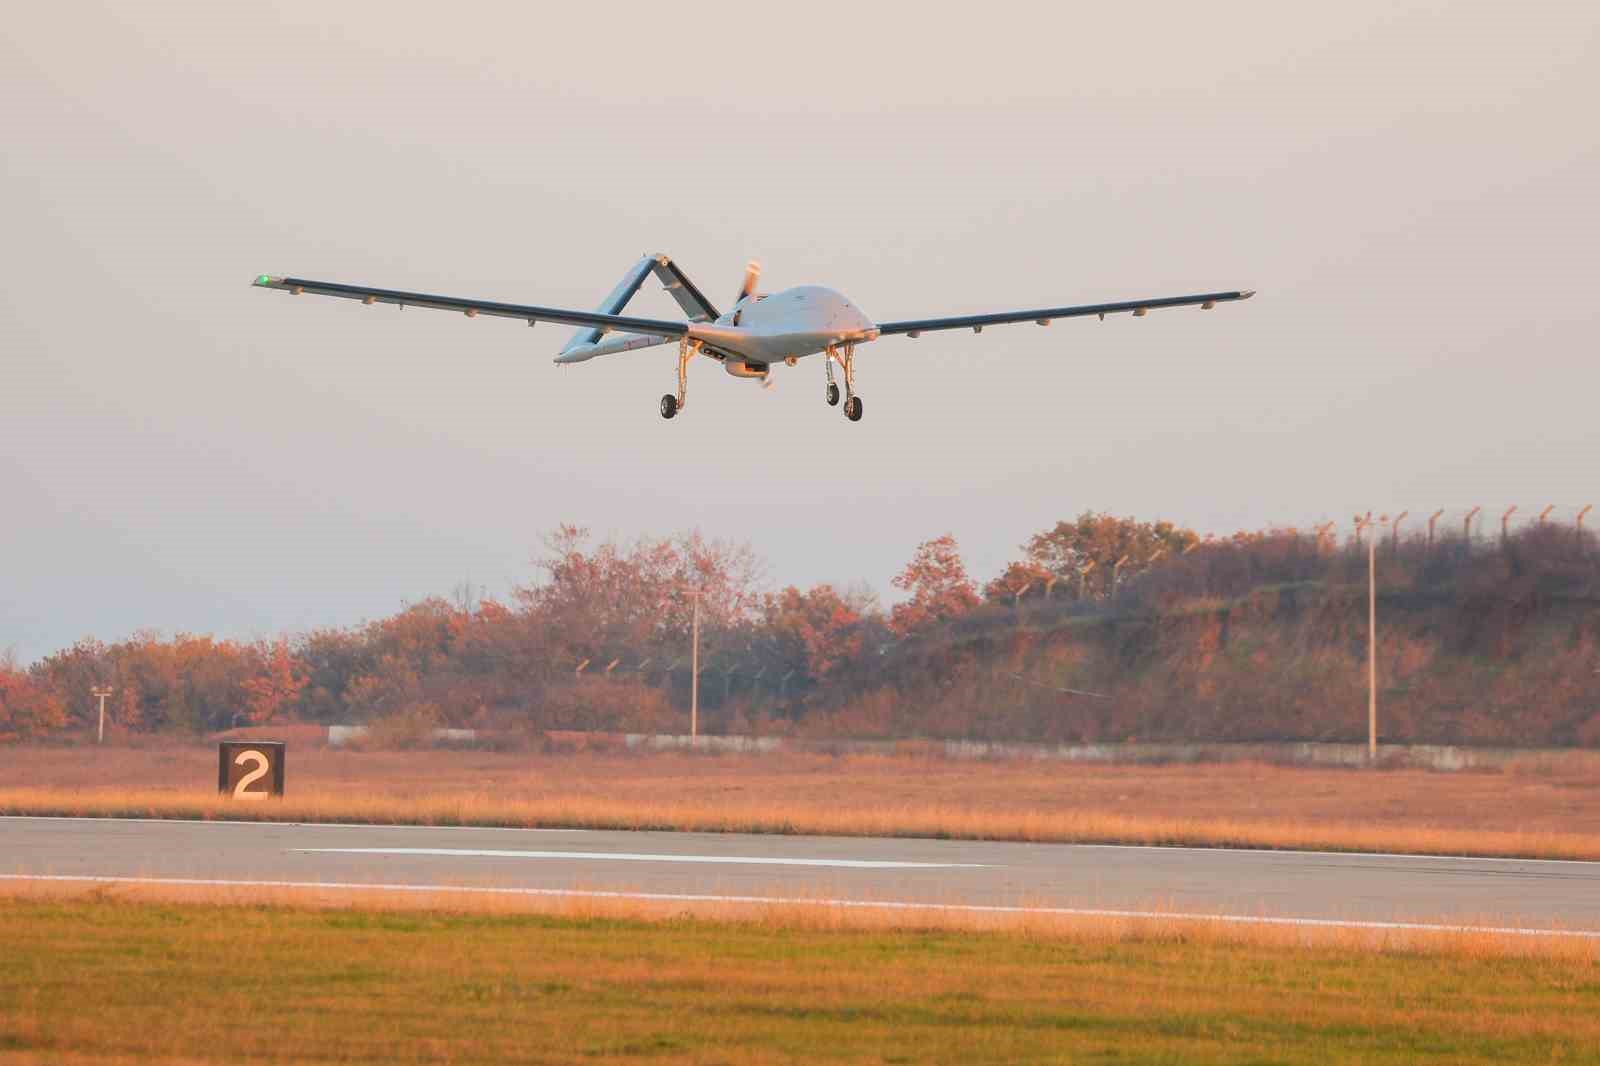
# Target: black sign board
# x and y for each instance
(250, 769)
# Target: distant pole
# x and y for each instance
(1505, 524)
(101, 691)
(1394, 535)
(1372, 634)
(1581, 515)
(1466, 525)
(1372, 648)
(1546, 513)
(1431, 520)
(694, 672)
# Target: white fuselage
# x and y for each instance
(791, 324)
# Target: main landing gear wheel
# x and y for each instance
(852, 408)
(669, 405)
(833, 395)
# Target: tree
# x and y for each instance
(27, 708)
(274, 692)
(637, 597)
(1112, 549)
(939, 587)
(1019, 579)
(815, 631)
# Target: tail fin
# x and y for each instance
(677, 284)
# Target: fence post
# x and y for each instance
(1466, 528)
(1431, 520)
(1505, 525)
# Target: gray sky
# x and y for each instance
(1410, 187)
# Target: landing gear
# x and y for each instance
(852, 402)
(670, 404)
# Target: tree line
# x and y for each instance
(1104, 628)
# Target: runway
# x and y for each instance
(1308, 887)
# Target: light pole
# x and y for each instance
(694, 672)
(102, 691)
(1372, 633)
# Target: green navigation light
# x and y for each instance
(263, 279)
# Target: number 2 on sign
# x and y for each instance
(252, 777)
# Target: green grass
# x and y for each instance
(114, 982)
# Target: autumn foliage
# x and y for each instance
(1104, 628)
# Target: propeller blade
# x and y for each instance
(752, 274)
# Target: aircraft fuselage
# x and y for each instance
(791, 324)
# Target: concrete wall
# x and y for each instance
(1420, 756)
(340, 735)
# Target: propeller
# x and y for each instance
(752, 274)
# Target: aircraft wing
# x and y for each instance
(472, 308)
(1044, 316)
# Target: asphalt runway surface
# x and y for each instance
(1314, 887)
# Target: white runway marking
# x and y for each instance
(862, 904)
(626, 856)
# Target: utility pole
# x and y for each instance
(1372, 648)
(102, 691)
(694, 672)
(1372, 633)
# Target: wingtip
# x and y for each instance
(265, 280)
(1246, 294)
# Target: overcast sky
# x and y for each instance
(1411, 188)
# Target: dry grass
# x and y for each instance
(84, 981)
(783, 910)
(1550, 809)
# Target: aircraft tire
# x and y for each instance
(852, 408)
(833, 395)
(669, 405)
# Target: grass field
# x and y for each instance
(109, 981)
(1548, 808)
